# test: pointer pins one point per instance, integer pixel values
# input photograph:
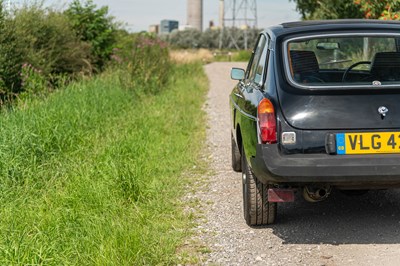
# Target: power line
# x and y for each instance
(238, 14)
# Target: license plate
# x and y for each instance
(368, 143)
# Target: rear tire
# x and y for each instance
(257, 210)
(236, 158)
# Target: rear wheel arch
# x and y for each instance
(239, 142)
(236, 154)
(234, 116)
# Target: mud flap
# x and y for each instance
(280, 195)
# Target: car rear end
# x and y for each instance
(337, 111)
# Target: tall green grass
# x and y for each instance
(93, 174)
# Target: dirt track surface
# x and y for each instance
(343, 230)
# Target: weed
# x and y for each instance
(145, 66)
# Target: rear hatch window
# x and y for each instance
(344, 82)
(333, 61)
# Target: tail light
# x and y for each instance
(267, 121)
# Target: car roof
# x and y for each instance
(308, 26)
(339, 22)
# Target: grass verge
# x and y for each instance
(93, 175)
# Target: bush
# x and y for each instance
(11, 57)
(147, 63)
(49, 43)
(190, 38)
(211, 39)
(34, 82)
(43, 39)
(95, 27)
(229, 38)
(41, 47)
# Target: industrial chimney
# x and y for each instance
(221, 14)
(195, 14)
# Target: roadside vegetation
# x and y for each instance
(212, 45)
(213, 39)
(93, 174)
(97, 141)
(338, 9)
(207, 56)
(99, 133)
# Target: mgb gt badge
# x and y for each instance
(383, 111)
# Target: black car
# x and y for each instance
(317, 108)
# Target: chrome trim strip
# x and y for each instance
(238, 95)
(241, 111)
(303, 87)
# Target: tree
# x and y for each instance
(387, 10)
(339, 9)
(94, 26)
(190, 38)
(213, 39)
(328, 9)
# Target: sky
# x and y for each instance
(139, 14)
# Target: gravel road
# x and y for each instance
(343, 230)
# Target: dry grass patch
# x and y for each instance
(190, 56)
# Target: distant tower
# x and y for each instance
(195, 14)
(221, 14)
(239, 14)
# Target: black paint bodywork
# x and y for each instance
(323, 114)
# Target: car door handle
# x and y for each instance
(239, 95)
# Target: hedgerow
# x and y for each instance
(58, 46)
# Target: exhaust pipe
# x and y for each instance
(316, 194)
